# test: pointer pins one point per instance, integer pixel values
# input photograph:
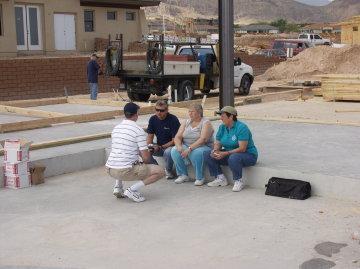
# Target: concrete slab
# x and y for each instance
(74, 221)
(12, 117)
(76, 108)
(312, 109)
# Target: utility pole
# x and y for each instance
(226, 35)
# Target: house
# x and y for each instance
(53, 27)
(321, 28)
(256, 29)
(350, 30)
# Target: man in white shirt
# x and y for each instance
(128, 142)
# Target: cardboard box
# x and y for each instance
(20, 168)
(18, 182)
(37, 173)
(16, 150)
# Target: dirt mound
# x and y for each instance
(316, 61)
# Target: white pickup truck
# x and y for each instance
(315, 39)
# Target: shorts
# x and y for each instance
(137, 172)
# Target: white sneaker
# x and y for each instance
(199, 182)
(134, 195)
(220, 181)
(238, 185)
(169, 175)
(182, 179)
(119, 192)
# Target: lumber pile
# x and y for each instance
(337, 87)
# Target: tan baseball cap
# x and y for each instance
(228, 109)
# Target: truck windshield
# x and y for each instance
(198, 51)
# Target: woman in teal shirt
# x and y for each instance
(234, 147)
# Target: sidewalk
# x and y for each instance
(74, 221)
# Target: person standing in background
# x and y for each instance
(92, 75)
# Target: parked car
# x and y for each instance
(271, 53)
(315, 39)
(294, 45)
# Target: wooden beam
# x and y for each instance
(41, 123)
(38, 102)
(100, 102)
(96, 102)
(31, 112)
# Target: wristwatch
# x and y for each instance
(190, 148)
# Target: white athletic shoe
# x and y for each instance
(199, 182)
(119, 192)
(134, 195)
(182, 179)
(169, 175)
(238, 185)
(220, 181)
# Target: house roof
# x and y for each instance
(257, 27)
(120, 3)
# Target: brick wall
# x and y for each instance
(259, 63)
(43, 77)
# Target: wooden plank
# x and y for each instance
(36, 102)
(96, 102)
(269, 94)
(41, 123)
(31, 112)
(100, 102)
(66, 141)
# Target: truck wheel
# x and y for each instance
(142, 97)
(204, 91)
(185, 91)
(245, 85)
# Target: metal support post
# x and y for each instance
(226, 35)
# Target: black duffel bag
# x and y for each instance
(288, 188)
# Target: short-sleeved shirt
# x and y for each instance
(229, 139)
(164, 130)
(127, 139)
(192, 134)
(92, 71)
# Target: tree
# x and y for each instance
(281, 24)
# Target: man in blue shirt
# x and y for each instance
(164, 126)
(92, 76)
(234, 147)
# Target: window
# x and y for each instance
(89, 20)
(130, 16)
(1, 25)
(111, 15)
(355, 29)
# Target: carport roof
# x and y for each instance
(120, 3)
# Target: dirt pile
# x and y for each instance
(317, 61)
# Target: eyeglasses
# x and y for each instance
(160, 110)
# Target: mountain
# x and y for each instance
(252, 11)
(315, 2)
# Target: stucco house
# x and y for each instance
(257, 29)
(51, 27)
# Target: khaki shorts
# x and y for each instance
(137, 172)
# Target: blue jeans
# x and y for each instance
(166, 153)
(235, 161)
(93, 90)
(196, 157)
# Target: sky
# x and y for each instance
(315, 2)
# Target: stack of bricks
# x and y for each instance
(45, 77)
(16, 163)
(101, 44)
(259, 63)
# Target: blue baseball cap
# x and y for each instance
(131, 108)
